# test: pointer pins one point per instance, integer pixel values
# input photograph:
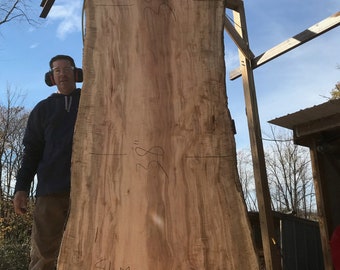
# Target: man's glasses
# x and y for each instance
(58, 71)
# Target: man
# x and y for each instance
(47, 154)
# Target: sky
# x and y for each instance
(299, 79)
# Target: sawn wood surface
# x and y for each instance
(154, 177)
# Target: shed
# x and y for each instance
(318, 128)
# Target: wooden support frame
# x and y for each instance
(233, 4)
(240, 36)
(291, 43)
(242, 46)
(322, 209)
(245, 70)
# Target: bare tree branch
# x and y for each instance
(289, 175)
(18, 10)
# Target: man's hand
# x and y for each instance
(20, 202)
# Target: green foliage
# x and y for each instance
(15, 232)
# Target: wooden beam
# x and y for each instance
(233, 4)
(240, 43)
(323, 208)
(47, 5)
(270, 248)
(317, 126)
(291, 43)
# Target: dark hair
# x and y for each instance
(64, 57)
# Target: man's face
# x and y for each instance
(63, 74)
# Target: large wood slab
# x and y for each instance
(154, 177)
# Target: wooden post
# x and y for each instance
(154, 177)
(319, 187)
(271, 249)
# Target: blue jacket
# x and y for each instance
(48, 145)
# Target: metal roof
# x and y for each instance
(317, 112)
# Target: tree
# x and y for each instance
(246, 176)
(17, 10)
(13, 119)
(14, 230)
(335, 93)
(290, 176)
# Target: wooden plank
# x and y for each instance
(43, 3)
(47, 5)
(291, 43)
(154, 176)
(323, 212)
(233, 4)
(271, 249)
(243, 46)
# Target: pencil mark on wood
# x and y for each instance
(103, 264)
(205, 157)
(98, 264)
(107, 154)
(164, 6)
(155, 153)
(155, 150)
(208, 156)
(148, 167)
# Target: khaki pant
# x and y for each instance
(49, 220)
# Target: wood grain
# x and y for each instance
(154, 178)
